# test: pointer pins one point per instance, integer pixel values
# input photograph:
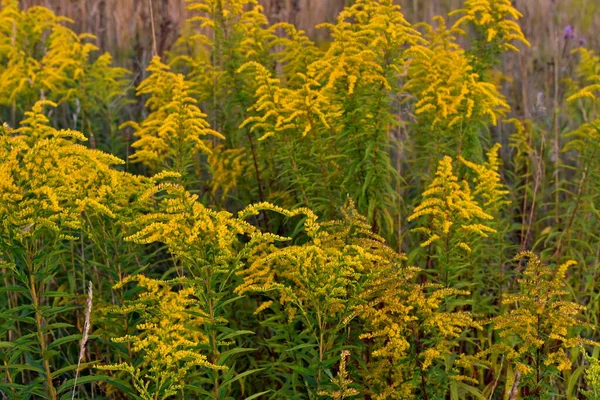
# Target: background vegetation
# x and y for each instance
(404, 207)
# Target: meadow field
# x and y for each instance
(234, 199)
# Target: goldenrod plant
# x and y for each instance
(168, 341)
(231, 33)
(340, 102)
(363, 66)
(344, 391)
(536, 330)
(43, 59)
(496, 27)
(452, 99)
(49, 182)
(455, 220)
(287, 114)
(592, 378)
(374, 215)
(173, 134)
(314, 288)
(415, 328)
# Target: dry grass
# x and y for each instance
(124, 24)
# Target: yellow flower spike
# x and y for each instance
(286, 109)
(451, 207)
(165, 343)
(450, 95)
(49, 180)
(538, 321)
(587, 84)
(175, 128)
(492, 18)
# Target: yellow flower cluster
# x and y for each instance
(341, 382)
(367, 34)
(47, 180)
(281, 109)
(592, 377)
(493, 18)
(168, 337)
(452, 209)
(450, 95)
(488, 186)
(227, 169)
(174, 130)
(588, 75)
(407, 306)
(61, 69)
(538, 321)
(368, 37)
(228, 32)
(409, 323)
(317, 275)
(198, 236)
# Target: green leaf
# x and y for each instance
(235, 334)
(224, 356)
(68, 385)
(240, 376)
(257, 395)
(58, 372)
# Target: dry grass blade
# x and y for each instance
(86, 331)
(515, 387)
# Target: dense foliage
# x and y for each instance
(268, 218)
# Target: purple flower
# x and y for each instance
(569, 32)
(582, 42)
